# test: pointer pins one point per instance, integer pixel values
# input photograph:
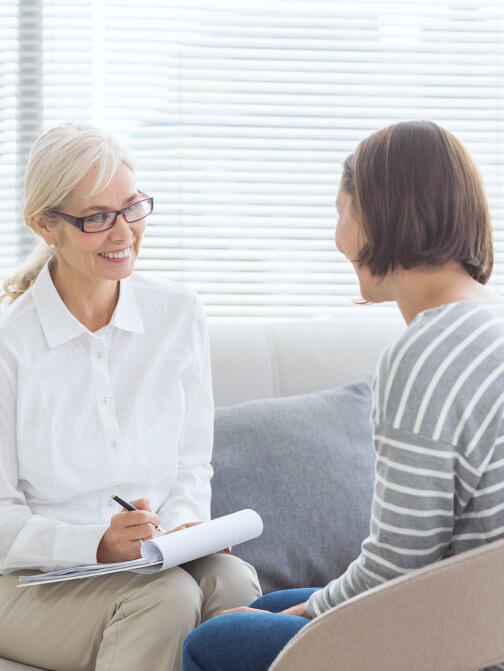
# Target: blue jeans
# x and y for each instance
(245, 641)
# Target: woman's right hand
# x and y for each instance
(121, 541)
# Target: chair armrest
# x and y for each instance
(448, 616)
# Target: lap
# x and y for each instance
(220, 564)
(74, 594)
(49, 624)
(246, 641)
(92, 593)
(225, 582)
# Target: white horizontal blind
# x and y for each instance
(8, 182)
(248, 110)
(45, 78)
(240, 115)
(68, 63)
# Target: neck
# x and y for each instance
(92, 301)
(423, 288)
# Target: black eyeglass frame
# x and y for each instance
(79, 221)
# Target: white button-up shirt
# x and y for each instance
(128, 409)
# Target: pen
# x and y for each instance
(128, 506)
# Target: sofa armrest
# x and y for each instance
(448, 616)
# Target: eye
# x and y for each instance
(138, 210)
(97, 218)
(129, 207)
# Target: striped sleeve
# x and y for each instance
(437, 416)
(422, 482)
(412, 514)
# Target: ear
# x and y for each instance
(47, 232)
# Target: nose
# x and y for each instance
(121, 229)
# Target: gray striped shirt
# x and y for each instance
(438, 429)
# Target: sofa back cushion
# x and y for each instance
(306, 465)
(253, 359)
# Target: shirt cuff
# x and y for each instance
(312, 606)
(76, 544)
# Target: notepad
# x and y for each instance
(168, 550)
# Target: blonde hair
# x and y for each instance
(58, 161)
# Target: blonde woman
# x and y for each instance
(105, 387)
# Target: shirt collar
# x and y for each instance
(60, 325)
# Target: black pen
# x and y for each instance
(128, 506)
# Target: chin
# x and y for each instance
(125, 271)
(373, 290)
(118, 271)
(369, 297)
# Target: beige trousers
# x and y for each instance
(127, 621)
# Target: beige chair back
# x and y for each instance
(448, 616)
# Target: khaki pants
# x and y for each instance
(127, 621)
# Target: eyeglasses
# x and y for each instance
(102, 221)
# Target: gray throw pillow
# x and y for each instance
(306, 464)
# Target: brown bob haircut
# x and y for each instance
(419, 199)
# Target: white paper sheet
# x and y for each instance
(202, 539)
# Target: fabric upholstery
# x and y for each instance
(264, 359)
(306, 464)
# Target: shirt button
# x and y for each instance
(105, 400)
(99, 354)
(115, 445)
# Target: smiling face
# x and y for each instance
(84, 253)
(350, 239)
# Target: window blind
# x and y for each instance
(240, 117)
(8, 177)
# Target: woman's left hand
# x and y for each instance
(186, 526)
(300, 610)
(293, 610)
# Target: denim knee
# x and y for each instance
(239, 642)
(198, 646)
(283, 598)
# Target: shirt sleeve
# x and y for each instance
(417, 495)
(190, 497)
(412, 516)
(29, 541)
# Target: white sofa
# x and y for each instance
(253, 360)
